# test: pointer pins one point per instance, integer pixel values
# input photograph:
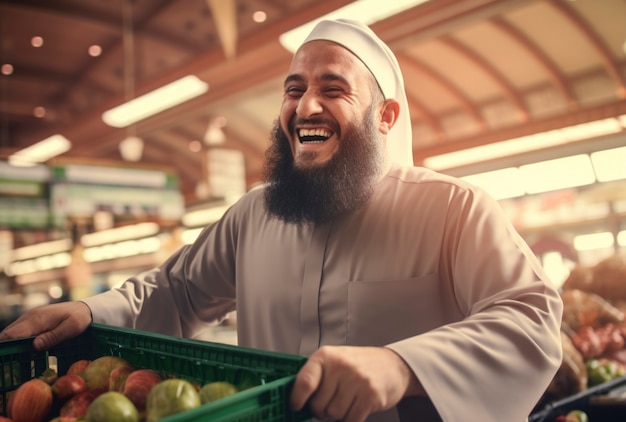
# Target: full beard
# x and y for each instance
(318, 194)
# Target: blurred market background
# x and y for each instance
(526, 98)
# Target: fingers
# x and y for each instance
(21, 327)
(350, 383)
(73, 320)
(50, 324)
(307, 381)
(326, 389)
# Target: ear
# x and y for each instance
(389, 111)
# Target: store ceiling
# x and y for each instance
(476, 72)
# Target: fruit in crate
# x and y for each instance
(118, 376)
(112, 406)
(49, 376)
(216, 390)
(67, 386)
(138, 385)
(170, 397)
(77, 368)
(76, 406)
(31, 402)
(97, 374)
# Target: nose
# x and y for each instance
(308, 105)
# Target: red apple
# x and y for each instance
(67, 386)
(138, 384)
(31, 402)
(98, 372)
(76, 406)
(78, 367)
(118, 376)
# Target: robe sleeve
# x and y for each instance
(191, 290)
(495, 364)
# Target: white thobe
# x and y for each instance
(430, 268)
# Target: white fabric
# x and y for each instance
(430, 268)
(380, 60)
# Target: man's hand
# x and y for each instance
(349, 383)
(51, 324)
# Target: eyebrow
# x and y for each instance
(327, 77)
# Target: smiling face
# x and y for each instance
(328, 146)
(328, 91)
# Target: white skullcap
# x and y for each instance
(359, 39)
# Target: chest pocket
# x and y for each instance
(381, 312)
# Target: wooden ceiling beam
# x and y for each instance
(598, 44)
(507, 88)
(224, 14)
(414, 65)
(551, 69)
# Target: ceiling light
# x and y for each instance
(94, 50)
(259, 16)
(41, 151)
(609, 164)
(501, 184)
(40, 249)
(155, 101)
(587, 242)
(526, 144)
(214, 134)
(119, 234)
(122, 249)
(36, 41)
(39, 112)
(204, 217)
(560, 173)
(131, 148)
(366, 11)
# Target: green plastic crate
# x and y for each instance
(197, 361)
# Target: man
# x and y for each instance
(411, 294)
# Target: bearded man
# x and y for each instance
(412, 295)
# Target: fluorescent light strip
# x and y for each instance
(549, 175)
(366, 11)
(587, 242)
(501, 184)
(609, 164)
(40, 249)
(204, 216)
(118, 234)
(189, 236)
(155, 101)
(41, 151)
(122, 249)
(560, 173)
(525, 144)
(42, 263)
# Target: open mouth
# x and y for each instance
(312, 136)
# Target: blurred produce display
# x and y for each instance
(593, 329)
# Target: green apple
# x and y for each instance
(170, 397)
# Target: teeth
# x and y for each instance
(315, 132)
